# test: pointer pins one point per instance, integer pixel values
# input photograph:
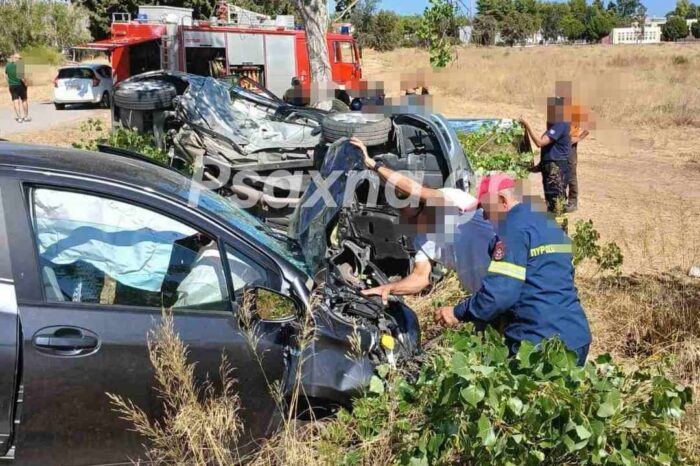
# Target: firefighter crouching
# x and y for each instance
(530, 279)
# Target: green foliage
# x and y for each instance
(585, 245)
(552, 16)
(25, 23)
(695, 29)
(674, 29)
(41, 55)
(682, 8)
(573, 28)
(484, 30)
(599, 23)
(122, 138)
(517, 27)
(410, 26)
(384, 31)
(495, 148)
(472, 404)
(436, 30)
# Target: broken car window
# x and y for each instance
(103, 251)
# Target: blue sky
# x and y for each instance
(655, 7)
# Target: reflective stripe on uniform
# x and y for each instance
(551, 249)
(507, 269)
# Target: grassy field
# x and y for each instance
(638, 177)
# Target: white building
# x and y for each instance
(650, 34)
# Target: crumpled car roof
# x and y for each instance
(207, 102)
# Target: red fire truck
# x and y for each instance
(270, 51)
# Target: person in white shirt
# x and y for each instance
(450, 230)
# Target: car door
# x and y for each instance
(97, 269)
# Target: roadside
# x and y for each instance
(44, 117)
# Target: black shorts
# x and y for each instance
(18, 91)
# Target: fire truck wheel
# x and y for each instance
(145, 95)
(373, 130)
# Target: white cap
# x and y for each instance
(462, 200)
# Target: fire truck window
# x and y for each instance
(344, 52)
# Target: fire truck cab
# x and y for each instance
(270, 51)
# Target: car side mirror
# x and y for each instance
(265, 304)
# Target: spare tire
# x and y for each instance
(145, 95)
(373, 130)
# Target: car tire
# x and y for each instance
(59, 106)
(339, 106)
(373, 130)
(105, 101)
(145, 95)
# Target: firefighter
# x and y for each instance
(555, 144)
(530, 279)
(442, 219)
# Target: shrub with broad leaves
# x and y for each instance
(470, 403)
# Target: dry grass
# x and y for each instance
(642, 85)
(650, 316)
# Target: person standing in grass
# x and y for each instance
(555, 145)
(18, 88)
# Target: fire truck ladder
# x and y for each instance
(165, 52)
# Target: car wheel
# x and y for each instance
(339, 106)
(59, 106)
(105, 102)
(145, 95)
(373, 130)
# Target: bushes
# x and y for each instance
(24, 23)
(471, 404)
(695, 29)
(495, 148)
(41, 55)
(675, 28)
(122, 138)
(585, 245)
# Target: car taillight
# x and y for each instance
(95, 82)
(55, 81)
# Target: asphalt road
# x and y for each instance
(44, 115)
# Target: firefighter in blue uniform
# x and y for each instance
(530, 279)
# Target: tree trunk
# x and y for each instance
(315, 16)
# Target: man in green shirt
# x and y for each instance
(18, 88)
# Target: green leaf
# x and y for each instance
(376, 385)
(486, 433)
(473, 394)
(515, 405)
(583, 433)
(605, 410)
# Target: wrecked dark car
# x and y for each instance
(94, 246)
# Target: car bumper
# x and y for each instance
(72, 99)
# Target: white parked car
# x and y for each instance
(83, 84)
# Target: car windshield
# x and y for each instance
(227, 210)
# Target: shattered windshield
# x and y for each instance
(321, 202)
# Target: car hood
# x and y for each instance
(323, 199)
